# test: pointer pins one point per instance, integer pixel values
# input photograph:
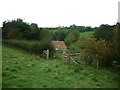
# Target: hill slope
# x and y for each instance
(25, 71)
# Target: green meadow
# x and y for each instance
(23, 70)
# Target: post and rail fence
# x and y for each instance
(71, 57)
(66, 57)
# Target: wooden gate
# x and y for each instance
(71, 57)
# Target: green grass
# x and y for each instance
(21, 70)
(75, 46)
(86, 34)
(57, 30)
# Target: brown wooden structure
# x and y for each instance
(71, 57)
(46, 54)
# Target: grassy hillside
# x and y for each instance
(28, 71)
(86, 34)
(75, 47)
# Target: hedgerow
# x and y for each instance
(35, 47)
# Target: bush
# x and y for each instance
(104, 32)
(71, 37)
(35, 47)
(101, 51)
(116, 41)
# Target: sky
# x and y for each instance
(54, 13)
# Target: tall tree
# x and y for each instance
(14, 33)
(69, 39)
(34, 32)
(104, 32)
(45, 35)
(72, 37)
(11, 29)
(76, 34)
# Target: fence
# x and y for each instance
(71, 57)
(46, 54)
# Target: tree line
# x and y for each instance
(17, 29)
(29, 37)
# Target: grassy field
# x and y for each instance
(86, 34)
(76, 45)
(22, 70)
(56, 30)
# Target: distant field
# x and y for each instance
(28, 71)
(58, 30)
(82, 36)
(86, 34)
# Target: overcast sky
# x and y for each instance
(52, 13)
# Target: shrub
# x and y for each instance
(116, 41)
(72, 37)
(104, 32)
(101, 51)
(35, 47)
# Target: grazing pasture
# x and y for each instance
(22, 70)
(86, 34)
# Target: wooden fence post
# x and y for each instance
(63, 55)
(47, 56)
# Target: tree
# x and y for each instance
(73, 26)
(116, 41)
(101, 51)
(45, 35)
(104, 32)
(72, 37)
(69, 38)
(11, 28)
(34, 32)
(14, 33)
(60, 35)
(76, 34)
(53, 35)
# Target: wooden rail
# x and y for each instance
(71, 57)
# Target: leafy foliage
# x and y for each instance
(17, 29)
(104, 32)
(27, 37)
(101, 51)
(72, 37)
(14, 33)
(81, 28)
(33, 47)
(14, 29)
(34, 32)
(59, 35)
(69, 38)
(116, 41)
